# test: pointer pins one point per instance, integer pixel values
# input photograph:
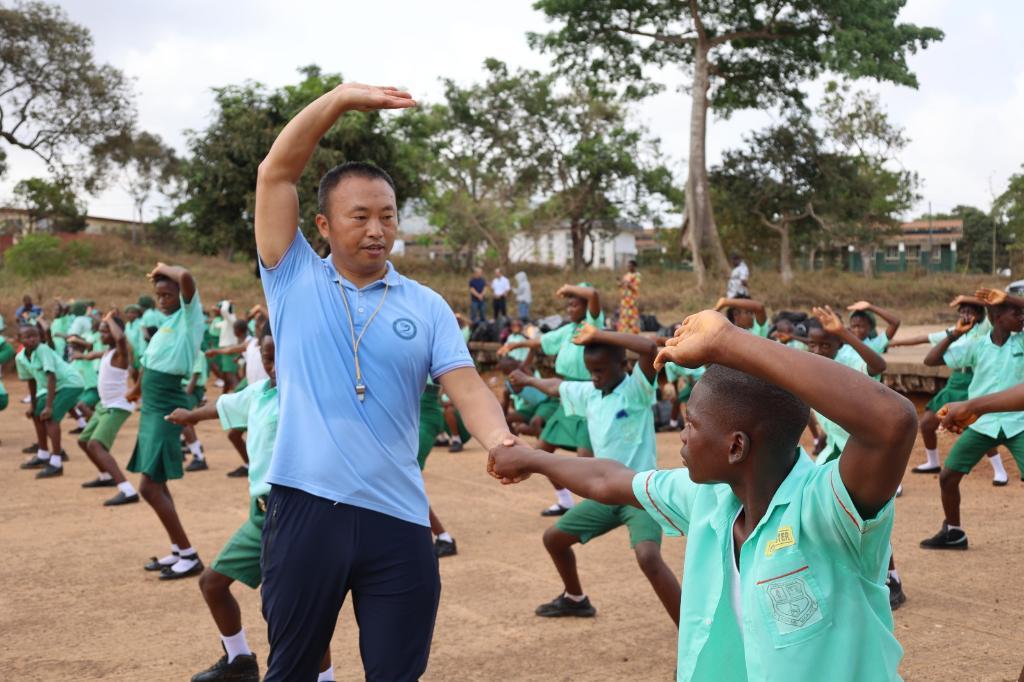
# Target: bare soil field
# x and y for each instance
(76, 604)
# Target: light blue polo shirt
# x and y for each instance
(329, 443)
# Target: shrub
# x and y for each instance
(36, 255)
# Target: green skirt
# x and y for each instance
(157, 451)
(954, 391)
(568, 433)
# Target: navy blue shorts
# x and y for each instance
(314, 553)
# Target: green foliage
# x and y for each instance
(51, 204)
(36, 255)
(55, 100)
(220, 178)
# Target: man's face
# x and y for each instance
(497, 273)
(606, 372)
(29, 337)
(860, 327)
(820, 342)
(362, 223)
(267, 356)
(1010, 320)
(167, 296)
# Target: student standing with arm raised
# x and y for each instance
(347, 510)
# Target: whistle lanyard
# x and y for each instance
(356, 340)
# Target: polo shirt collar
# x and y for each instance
(391, 277)
(791, 485)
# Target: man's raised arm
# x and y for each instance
(277, 200)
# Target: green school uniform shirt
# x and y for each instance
(996, 368)
(878, 343)
(812, 600)
(519, 354)
(835, 435)
(983, 328)
(153, 318)
(87, 370)
(6, 351)
(173, 348)
(80, 326)
(136, 338)
(201, 366)
(759, 329)
(620, 424)
(253, 408)
(674, 372)
(44, 361)
(794, 343)
(569, 356)
(59, 329)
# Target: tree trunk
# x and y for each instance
(785, 256)
(703, 233)
(867, 258)
(576, 234)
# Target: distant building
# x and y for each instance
(15, 221)
(554, 247)
(929, 245)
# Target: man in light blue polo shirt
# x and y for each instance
(355, 339)
(785, 562)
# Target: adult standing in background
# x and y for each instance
(28, 311)
(738, 278)
(524, 296)
(356, 342)
(500, 286)
(629, 309)
(477, 303)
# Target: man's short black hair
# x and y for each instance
(754, 404)
(359, 169)
(615, 353)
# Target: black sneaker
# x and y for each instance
(562, 606)
(197, 465)
(1000, 482)
(896, 595)
(554, 510)
(946, 539)
(76, 431)
(50, 471)
(242, 669)
(456, 446)
(30, 449)
(120, 498)
(926, 469)
(36, 463)
(240, 472)
(100, 483)
(443, 548)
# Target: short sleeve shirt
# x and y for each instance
(44, 361)
(812, 580)
(519, 354)
(254, 408)
(153, 318)
(996, 368)
(983, 328)
(331, 444)
(760, 329)
(835, 435)
(200, 366)
(674, 372)
(87, 370)
(173, 348)
(568, 355)
(878, 343)
(621, 423)
(80, 326)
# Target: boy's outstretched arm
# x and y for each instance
(277, 200)
(882, 424)
(959, 415)
(833, 325)
(184, 417)
(601, 480)
(519, 379)
(645, 348)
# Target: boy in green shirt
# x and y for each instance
(617, 405)
(745, 313)
(864, 327)
(997, 361)
(169, 357)
(785, 561)
(583, 305)
(54, 387)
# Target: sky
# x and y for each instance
(964, 121)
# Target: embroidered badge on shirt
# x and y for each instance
(793, 605)
(783, 538)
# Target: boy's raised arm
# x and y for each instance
(833, 325)
(882, 424)
(277, 200)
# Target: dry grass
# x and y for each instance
(118, 276)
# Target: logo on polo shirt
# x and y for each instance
(792, 603)
(404, 328)
(783, 538)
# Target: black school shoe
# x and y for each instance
(76, 431)
(946, 539)
(443, 548)
(36, 463)
(562, 606)
(925, 469)
(242, 669)
(120, 498)
(896, 595)
(50, 471)
(554, 510)
(155, 565)
(100, 483)
(30, 449)
(167, 574)
(240, 472)
(197, 465)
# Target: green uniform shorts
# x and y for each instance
(589, 519)
(90, 397)
(239, 558)
(4, 400)
(104, 425)
(63, 401)
(972, 446)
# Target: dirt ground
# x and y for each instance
(76, 604)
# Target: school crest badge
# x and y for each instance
(792, 603)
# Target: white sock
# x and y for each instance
(104, 476)
(171, 558)
(43, 454)
(236, 645)
(564, 498)
(81, 422)
(326, 675)
(998, 469)
(196, 448)
(456, 439)
(445, 537)
(187, 558)
(952, 527)
(55, 461)
(127, 488)
(575, 597)
(673, 423)
(894, 574)
(933, 456)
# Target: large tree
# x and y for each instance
(738, 54)
(51, 205)
(55, 100)
(1008, 212)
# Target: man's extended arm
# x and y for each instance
(277, 200)
(477, 404)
